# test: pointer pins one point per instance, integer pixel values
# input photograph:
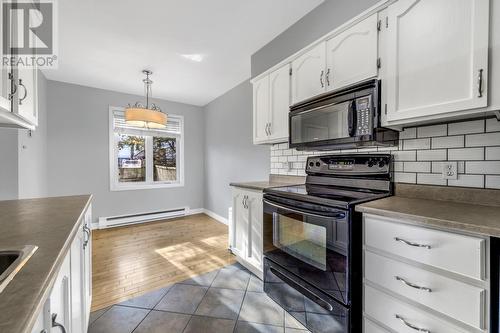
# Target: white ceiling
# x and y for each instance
(106, 44)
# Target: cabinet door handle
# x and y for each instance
(480, 83)
(270, 131)
(406, 283)
(397, 239)
(328, 77)
(321, 78)
(267, 128)
(86, 230)
(25, 92)
(56, 324)
(13, 89)
(413, 327)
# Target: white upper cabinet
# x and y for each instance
(279, 94)
(309, 74)
(271, 102)
(351, 56)
(437, 58)
(261, 110)
(18, 86)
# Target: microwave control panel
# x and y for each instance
(364, 116)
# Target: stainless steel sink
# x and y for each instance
(12, 260)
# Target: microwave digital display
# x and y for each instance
(363, 103)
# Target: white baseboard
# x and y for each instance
(217, 217)
(195, 211)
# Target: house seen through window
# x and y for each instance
(145, 158)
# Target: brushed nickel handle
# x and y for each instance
(56, 324)
(25, 92)
(321, 78)
(267, 129)
(13, 89)
(270, 129)
(328, 77)
(413, 327)
(397, 239)
(409, 284)
(86, 230)
(480, 83)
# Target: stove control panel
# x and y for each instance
(349, 164)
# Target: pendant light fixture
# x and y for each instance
(149, 116)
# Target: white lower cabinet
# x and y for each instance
(245, 230)
(68, 307)
(418, 278)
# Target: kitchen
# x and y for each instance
(349, 162)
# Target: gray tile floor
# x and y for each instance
(227, 300)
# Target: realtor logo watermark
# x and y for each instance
(29, 33)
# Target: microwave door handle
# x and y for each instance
(351, 118)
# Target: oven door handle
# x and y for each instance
(337, 214)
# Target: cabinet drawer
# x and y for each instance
(453, 298)
(370, 327)
(392, 312)
(452, 252)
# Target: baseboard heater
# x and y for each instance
(116, 221)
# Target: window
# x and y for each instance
(143, 158)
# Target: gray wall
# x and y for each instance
(33, 151)
(79, 151)
(321, 20)
(230, 155)
(9, 188)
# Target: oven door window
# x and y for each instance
(325, 123)
(307, 238)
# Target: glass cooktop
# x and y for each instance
(326, 194)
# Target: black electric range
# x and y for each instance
(313, 239)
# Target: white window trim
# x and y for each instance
(115, 185)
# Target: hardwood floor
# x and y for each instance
(130, 261)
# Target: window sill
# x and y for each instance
(115, 187)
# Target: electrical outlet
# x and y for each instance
(449, 170)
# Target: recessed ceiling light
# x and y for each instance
(193, 57)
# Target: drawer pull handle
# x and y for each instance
(418, 329)
(397, 239)
(409, 284)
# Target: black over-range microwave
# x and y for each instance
(345, 118)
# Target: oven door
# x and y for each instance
(310, 242)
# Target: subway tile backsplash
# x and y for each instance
(474, 145)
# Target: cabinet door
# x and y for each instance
(437, 57)
(87, 268)
(261, 110)
(351, 56)
(308, 74)
(239, 228)
(5, 81)
(27, 81)
(60, 297)
(77, 289)
(279, 94)
(255, 245)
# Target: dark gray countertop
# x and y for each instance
(51, 224)
(460, 216)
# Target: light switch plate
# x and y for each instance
(449, 170)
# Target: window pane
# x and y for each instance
(164, 159)
(131, 158)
